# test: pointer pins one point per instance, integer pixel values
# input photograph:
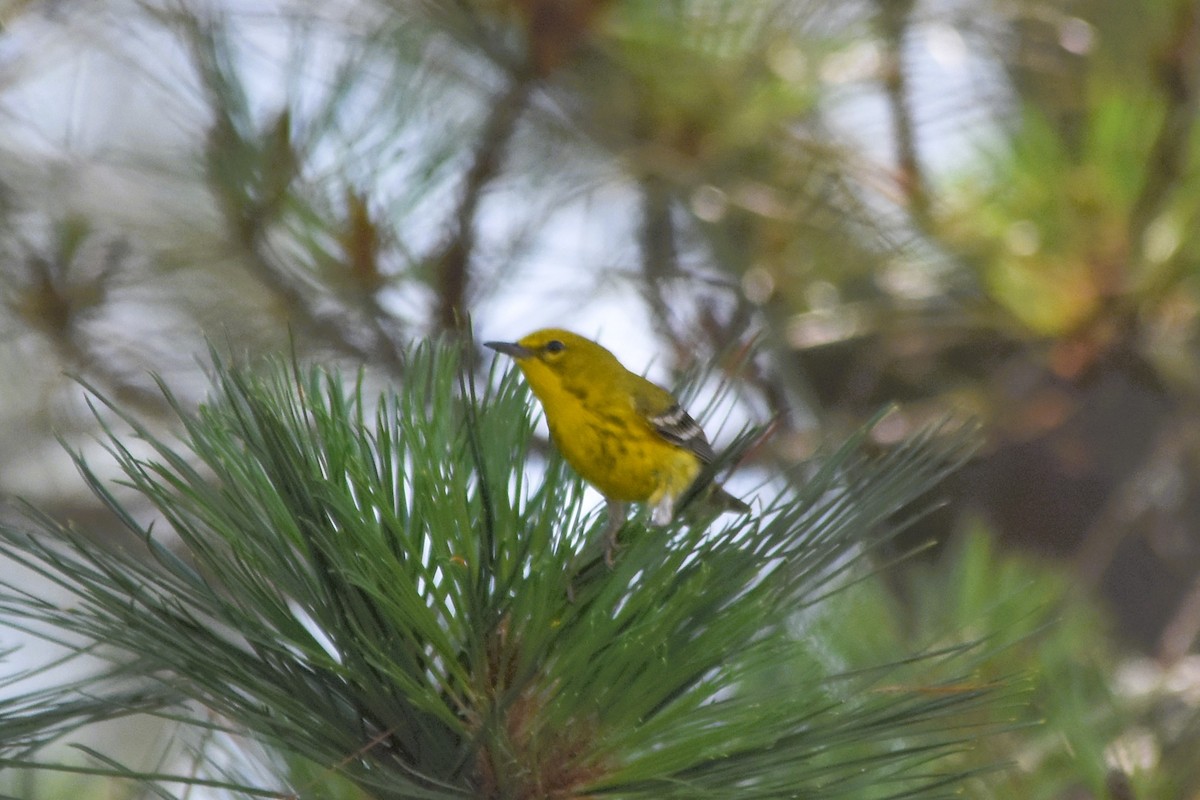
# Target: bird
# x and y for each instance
(623, 434)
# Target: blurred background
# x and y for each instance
(981, 208)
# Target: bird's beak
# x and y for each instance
(510, 349)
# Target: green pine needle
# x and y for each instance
(379, 587)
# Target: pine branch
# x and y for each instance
(252, 171)
(375, 586)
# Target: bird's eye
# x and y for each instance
(555, 346)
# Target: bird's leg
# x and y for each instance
(616, 518)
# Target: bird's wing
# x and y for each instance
(669, 420)
(677, 426)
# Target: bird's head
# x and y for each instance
(556, 355)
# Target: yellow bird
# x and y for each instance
(623, 434)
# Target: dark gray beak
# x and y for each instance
(510, 349)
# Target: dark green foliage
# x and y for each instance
(378, 587)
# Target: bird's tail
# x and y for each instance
(709, 499)
(717, 497)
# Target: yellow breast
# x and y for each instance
(610, 445)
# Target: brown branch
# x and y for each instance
(554, 31)
(894, 18)
(453, 276)
(659, 255)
